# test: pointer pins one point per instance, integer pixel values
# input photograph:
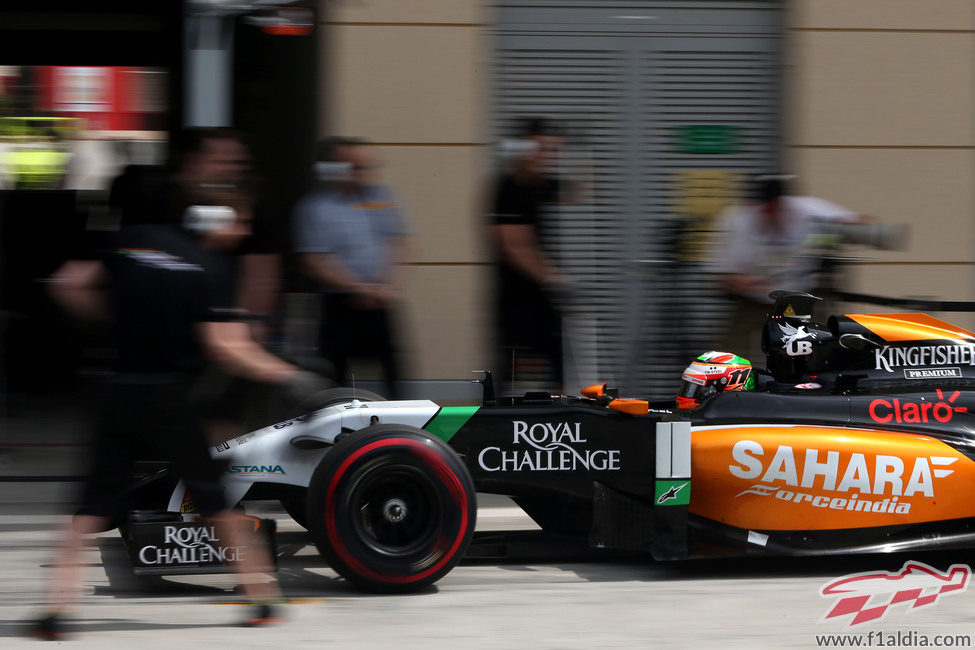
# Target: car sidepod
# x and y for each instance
(846, 474)
(583, 470)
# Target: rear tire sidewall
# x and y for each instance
(396, 467)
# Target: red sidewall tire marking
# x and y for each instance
(453, 485)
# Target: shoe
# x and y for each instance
(49, 627)
(263, 614)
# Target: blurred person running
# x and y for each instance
(170, 290)
(217, 175)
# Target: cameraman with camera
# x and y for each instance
(766, 246)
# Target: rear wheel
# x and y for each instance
(391, 508)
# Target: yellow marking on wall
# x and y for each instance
(700, 196)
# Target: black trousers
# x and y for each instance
(529, 321)
(149, 419)
(348, 331)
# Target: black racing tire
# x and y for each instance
(296, 506)
(391, 508)
(331, 396)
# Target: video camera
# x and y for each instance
(875, 234)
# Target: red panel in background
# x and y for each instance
(44, 79)
(108, 98)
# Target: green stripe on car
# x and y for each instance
(449, 420)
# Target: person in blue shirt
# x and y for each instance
(351, 237)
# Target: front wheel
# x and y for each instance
(391, 508)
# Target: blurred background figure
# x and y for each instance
(222, 173)
(170, 290)
(138, 194)
(767, 246)
(352, 238)
(527, 319)
(214, 167)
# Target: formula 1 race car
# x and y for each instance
(857, 438)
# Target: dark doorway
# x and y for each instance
(275, 105)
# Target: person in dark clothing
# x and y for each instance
(133, 195)
(527, 317)
(171, 292)
(351, 235)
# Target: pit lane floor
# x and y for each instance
(523, 602)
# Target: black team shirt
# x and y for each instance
(164, 284)
(520, 203)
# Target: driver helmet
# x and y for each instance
(712, 373)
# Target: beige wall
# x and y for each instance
(409, 75)
(880, 115)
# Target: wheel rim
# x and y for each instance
(395, 512)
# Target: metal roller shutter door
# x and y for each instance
(622, 78)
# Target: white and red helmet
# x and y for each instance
(712, 373)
